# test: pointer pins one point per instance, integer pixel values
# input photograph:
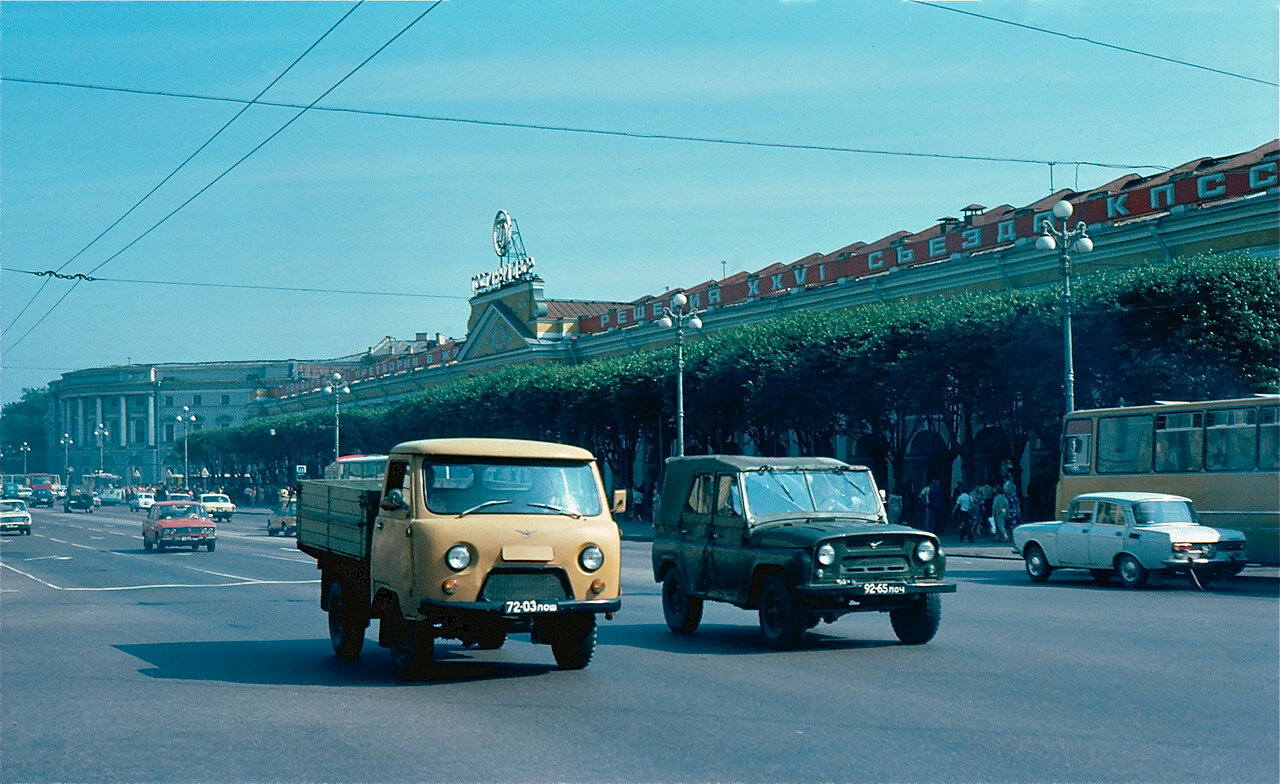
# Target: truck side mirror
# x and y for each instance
(393, 502)
(619, 502)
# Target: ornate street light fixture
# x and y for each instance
(337, 389)
(65, 442)
(101, 432)
(25, 449)
(678, 314)
(186, 418)
(1066, 242)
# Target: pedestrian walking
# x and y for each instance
(1000, 515)
(936, 508)
(964, 508)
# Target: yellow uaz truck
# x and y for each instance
(465, 538)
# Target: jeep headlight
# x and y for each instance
(926, 550)
(591, 558)
(826, 554)
(458, 557)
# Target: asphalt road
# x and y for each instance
(120, 665)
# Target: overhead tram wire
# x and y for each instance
(189, 158)
(228, 170)
(598, 131)
(1103, 44)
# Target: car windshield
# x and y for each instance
(781, 492)
(13, 506)
(214, 499)
(512, 488)
(1164, 512)
(183, 510)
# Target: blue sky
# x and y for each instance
(364, 203)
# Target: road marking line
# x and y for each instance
(48, 584)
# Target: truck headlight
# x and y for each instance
(591, 559)
(826, 554)
(926, 551)
(458, 557)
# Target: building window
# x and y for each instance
(196, 400)
(226, 400)
(168, 400)
(168, 433)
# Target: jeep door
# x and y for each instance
(729, 559)
(694, 532)
(390, 550)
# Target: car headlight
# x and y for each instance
(926, 550)
(826, 554)
(458, 557)
(591, 558)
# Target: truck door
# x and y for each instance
(390, 550)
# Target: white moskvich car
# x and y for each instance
(1132, 535)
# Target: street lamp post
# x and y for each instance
(337, 389)
(186, 418)
(65, 442)
(678, 314)
(1065, 241)
(25, 449)
(101, 432)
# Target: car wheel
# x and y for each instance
(210, 546)
(682, 611)
(159, 544)
(346, 629)
(271, 531)
(574, 642)
(1038, 568)
(917, 624)
(1132, 573)
(146, 543)
(782, 621)
(412, 649)
(1101, 576)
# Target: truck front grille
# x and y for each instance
(504, 585)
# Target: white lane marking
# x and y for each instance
(49, 558)
(48, 584)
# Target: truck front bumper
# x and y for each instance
(520, 609)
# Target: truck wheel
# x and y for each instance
(346, 632)
(412, 649)
(682, 611)
(574, 643)
(918, 624)
(782, 621)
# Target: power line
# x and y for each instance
(597, 131)
(229, 169)
(198, 150)
(245, 286)
(1083, 39)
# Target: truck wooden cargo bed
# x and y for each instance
(336, 516)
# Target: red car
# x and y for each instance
(179, 524)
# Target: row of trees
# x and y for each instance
(1197, 328)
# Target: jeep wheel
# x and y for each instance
(782, 621)
(346, 630)
(917, 624)
(574, 642)
(1132, 573)
(682, 611)
(413, 648)
(1038, 568)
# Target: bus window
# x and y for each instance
(1231, 439)
(1268, 438)
(1077, 451)
(1180, 442)
(1124, 445)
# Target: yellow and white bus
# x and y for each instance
(1222, 454)
(357, 467)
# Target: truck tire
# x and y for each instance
(346, 629)
(682, 611)
(917, 624)
(574, 643)
(412, 648)
(783, 622)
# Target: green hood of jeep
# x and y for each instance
(805, 532)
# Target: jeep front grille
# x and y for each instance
(504, 585)
(861, 566)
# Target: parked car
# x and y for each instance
(218, 505)
(141, 502)
(1132, 536)
(10, 490)
(179, 524)
(111, 497)
(42, 496)
(78, 499)
(283, 519)
(14, 516)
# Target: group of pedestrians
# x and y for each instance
(986, 508)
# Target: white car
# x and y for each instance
(218, 505)
(14, 516)
(141, 502)
(1132, 535)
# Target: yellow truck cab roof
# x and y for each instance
(504, 448)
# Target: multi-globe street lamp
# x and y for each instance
(102, 434)
(25, 449)
(186, 418)
(337, 389)
(678, 314)
(65, 442)
(1065, 241)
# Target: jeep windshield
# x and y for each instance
(810, 493)
(492, 487)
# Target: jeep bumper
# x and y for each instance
(867, 593)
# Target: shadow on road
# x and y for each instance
(730, 640)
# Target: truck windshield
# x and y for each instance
(783, 492)
(511, 488)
